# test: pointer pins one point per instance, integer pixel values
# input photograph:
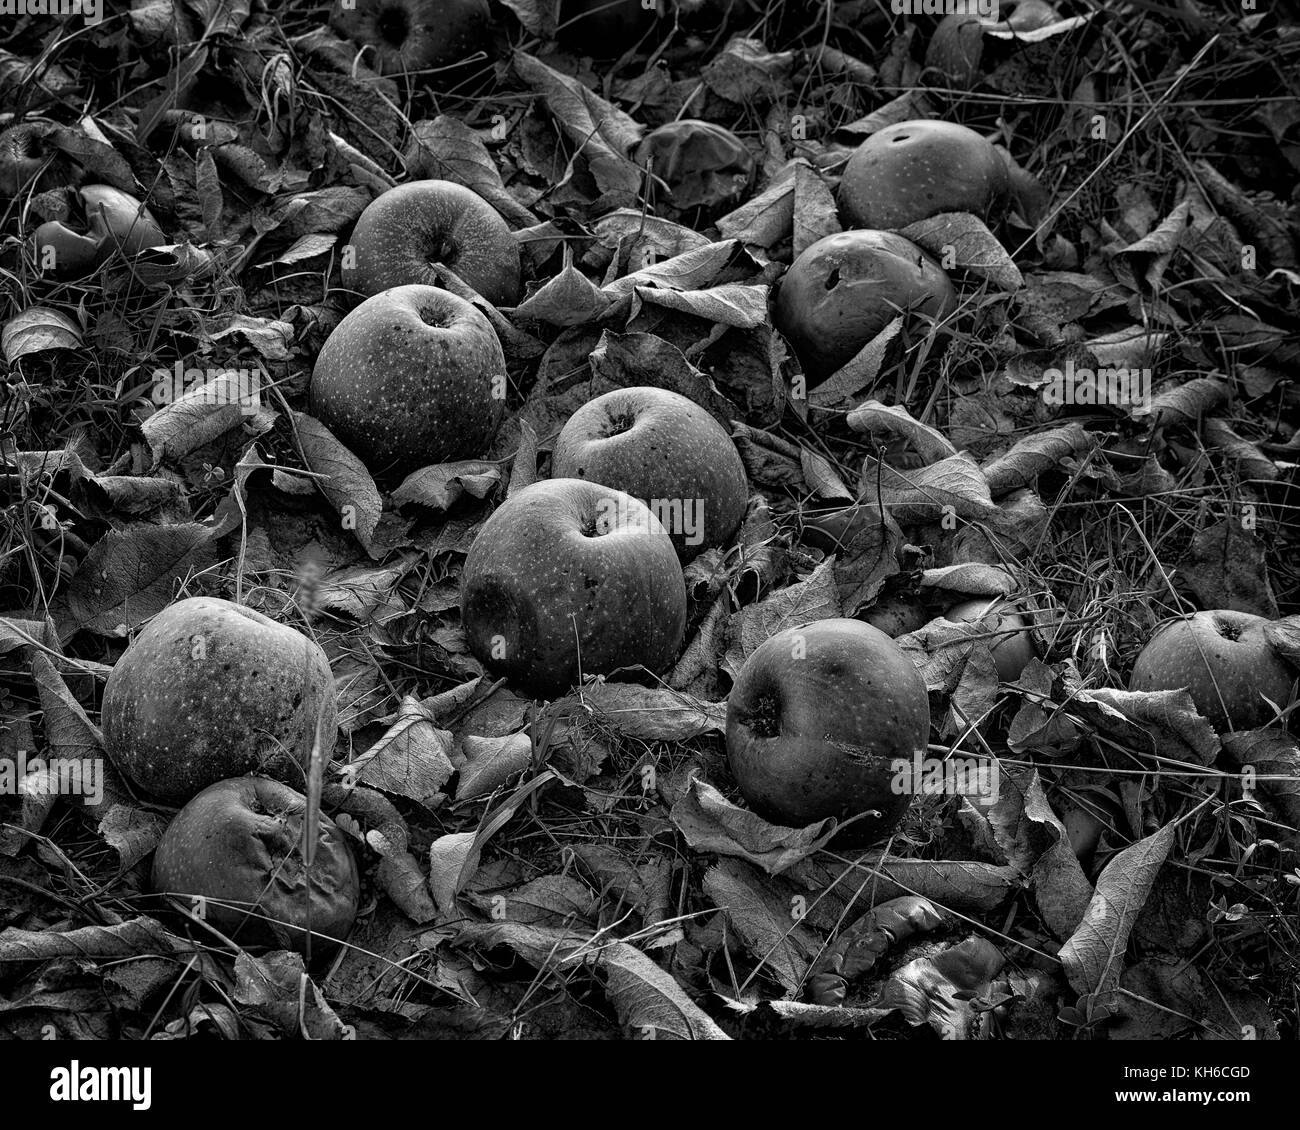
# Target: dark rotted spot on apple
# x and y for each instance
(618, 423)
(833, 279)
(765, 715)
(901, 137)
(1226, 630)
(394, 25)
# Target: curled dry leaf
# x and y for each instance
(1030, 457)
(764, 920)
(877, 420)
(652, 713)
(958, 239)
(344, 479)
(1093, 955)
(925, 493)
(36, 329)
(711, 823)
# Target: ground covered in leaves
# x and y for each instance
(585, 867)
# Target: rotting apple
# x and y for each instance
(29, 157)
(665, 450)
(233, 856)
(210, 689)
(412, 376)
(916, 169)
(415, 36)
(695, 169)
(845, 288)
(404, 232)
(1010, 635)
(115, 221)
(817, 719)
(569, 576)
(1224, 661)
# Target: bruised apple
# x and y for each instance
(815, 722)
(845, 288)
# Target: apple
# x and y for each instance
(412, 36)
(895, 616)
(694, 169)
(665, 450)
(914, 170)
(405, 231)
(1223, 659)
(815, 721)
(233, 854)
(956, 48)
(412, 376)
(1010, 638)
(845, 288)
(27, 153)
(115, 221)
(210, 689)
(569, 575)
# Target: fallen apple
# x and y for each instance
(569, 576)
(1224, 661)
(956, 48)
(695, 170)
(209, 690)
(411, 377)
(415, 36)
(29, 157)
(666, 451)
(896, 616)
(914, 170)
(115, 222)
(233, 856)
(816, 719)
(844, 289)
(1010, 635)
(406, 231)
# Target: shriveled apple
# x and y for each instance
(233, 857)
